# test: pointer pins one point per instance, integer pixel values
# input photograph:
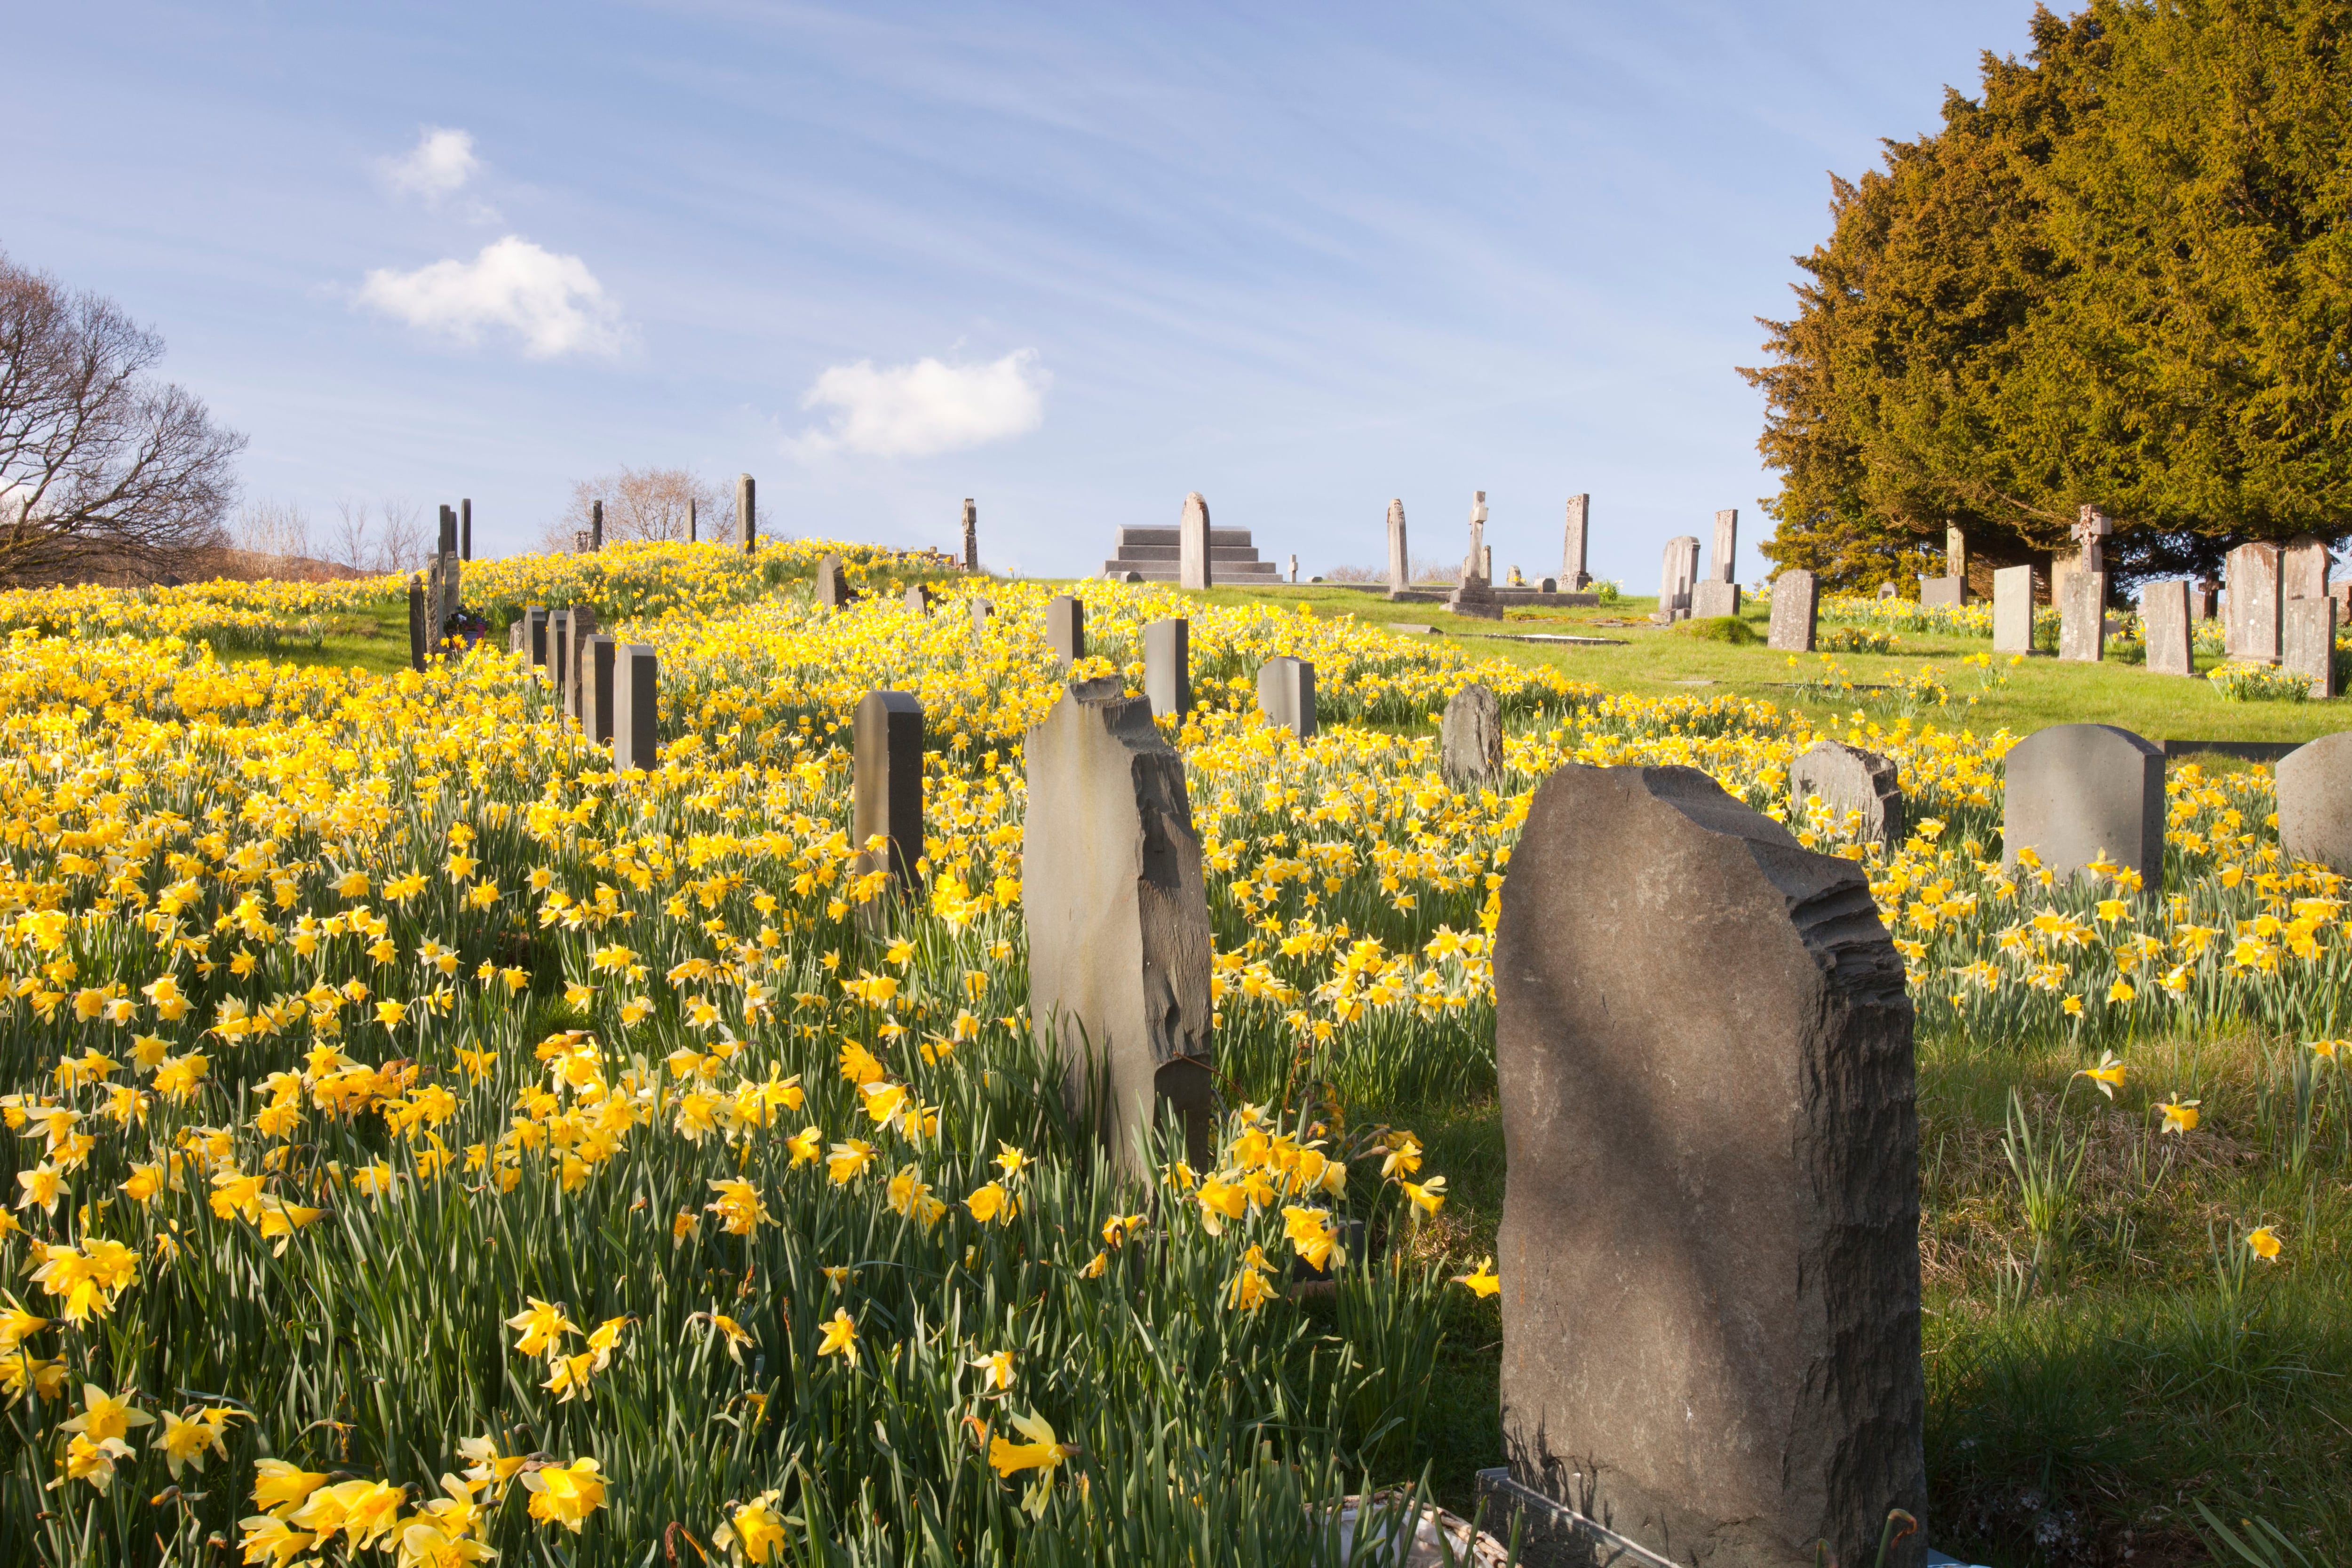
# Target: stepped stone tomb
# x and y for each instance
(1157, 554)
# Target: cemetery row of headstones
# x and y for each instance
(609, 688)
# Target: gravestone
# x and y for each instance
(1956, 554)
(693, 521)
(583, 627)
(1066, 629)
(982, 613)
(1847, 779)
(1942, 591)
(1399, 563)
(1470, 741)
(1194, 570)
(1887, 590)
(1710, 1241)
(1473, 588)
(2253, 624)
(637, 686)
(746, 513)
(1118, 920)
(558, 654)
(416, 623)
(918, 599)
(2303, 569)
(596, 525)
(1678, 576)
(1796, 608)
(515, 632)
(1475, 564)
(596, 689)
(1549, 586)
(970, 535)
(1294, 569)
(2342, 594)
(886, 785)
(1167, 666)
(2164, 620)
(2083, 616)
(1711, 599)
(1726, 545)
(2307, 642)
(1286, 695)
(466, 528)
(2314, 801)
(831, 583)
(1574, 542)
(535, 616)
(2012, 610)
(2074, 791)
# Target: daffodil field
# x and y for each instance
(426, 1147)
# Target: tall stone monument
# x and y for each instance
(2012, 610)
(2164, 617)
(746, 513)
(1709, 1243)
(1192, 537)
(1955, 553)
(1727, 546)
(1119, 919)
(1574, 539)
(1399, 561)
(970, 535)
(2073, 791)
(693, 521)
(595, 525)
(1796, 609)
(2252, 630)
(466, 528)
(1473, 589)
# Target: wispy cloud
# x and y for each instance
(552, 304)
(439, 164)
(929, 407)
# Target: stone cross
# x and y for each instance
(1286, 695)
(2073, 791)
(2091, 531)
(466, 528)
(1573, 541)
(2164, 617)
(1167, 666)
(747, 513)
(1474, 563)
(970, 535)
(1118, 918)
(596, 525)
(1294, 569)
(416, 643)
(1194, 570)
(832, 586)
(636, 686)
(1470, 741)
(886, 788)
(1796, 609)
(1710, 1241)
(2252, 629)
(596, 689)
(1400, 563)
(2201, 597)
(1726, 545)
(1066, 629)
(2083, 616)
(2012, 610)
(2307, 642)
(2314, 801)
(1850, 782)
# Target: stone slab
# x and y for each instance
(2307, 642)
(2315, 802)
(2164, 620)
(1285, 694)
(1470, 738)
(636, 692)
(1167, 666)
(2073, 791)
(1711, 599)
(886, 785)
(1862, 790)
(2083, 616)
(2012, 609)
(1796, 610)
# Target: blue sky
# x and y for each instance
(1071, 260)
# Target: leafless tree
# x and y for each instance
(347, 542)
(273, 529)
(103, 469)
(401, 544)
(645, 503)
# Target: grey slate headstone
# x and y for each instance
(2164, 621)
(1574, 543)
(1399, 563)
(559, 652)
(1192, 544)
(1066, 629)
(2082, 616)
(537, 615)
(1118, 916)
(1727, 546)
(417, 642)
(2307, 642)
(1285, 694)
(747, 513)
(1709, 1240)
(596, 689)
(466, 528)
(637, 691)
(2012, 610)
(583, 627)
(886, 785)
(1711, 599)
(1167, 667)
(693, 521)
(1470, 738)
(2253, 604)
(2314, 801)
(1849, 780)
(1796, 609)
(2074, 791)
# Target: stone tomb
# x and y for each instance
(1796, 611)
(2075, 792)
(886, 785)
(1066, 629)
(1155, 555)
(2012, 610)
(2314, 801)
(1167, 666)
(637, 686)
(2307, 642)
(1118, 921)
(1470, 741)
(1709, 1243)
(2163, 614)
(1286, 695)
(1851, 782)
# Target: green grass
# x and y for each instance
(372, 637)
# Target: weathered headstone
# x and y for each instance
(1709, 1242)
(2083, 616)
(559, 653)
(2076, 791)
(1678, 576)
(535, 616)
(970, 535)
(1286, 695)
(596, 525)
(1399, 563)
(1887, 590)
(1848, 781)
(1194, 570)
(1942, 591)
(1955, 553)
(636, 689)
(1574, 542)
(2314, 801)
(2253, 628)
(1711, 599)
(1118, 919)
(918, 599)
(2012, 610)
(2342, 594)
(584, 627)
(2307, 642)
(1066, 629)
(596, 689)
(1475, 564)
(2164, 622)
(515, 632)
(1473, 588)
(886, 785)
(417, 641)
(747, 513)
(1167, 666)
(693, 521)
(1796, 608)
(1470, 740)
(466, 528)
(2303, 569)
(982, 613)
(1727, 546)
(832, 584)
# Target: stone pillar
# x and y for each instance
(1286, 695)
(1796, 611)
(1726, 545)
(2012, 610)
(2164, 619)
(596, 689)
(2303, 569)
(637, 684)
(747, 513)
(2074, 791)
(2083, 616)
(595, 525)
(417, 641)
(1294, 570)
(693, 521)
(1399, 561)
(582, 629)
(1849, 780)
(466, 528)
(1470, 741)
(1118, 918)
(1194, 570)
(970, 535)
(1066, 629)
(2253, 624)
(2315, 802)
(887, 786)
(1573, 577)
(1710, 1241)
(1474, 565)
(832, 585)
(1167, 667)
(1956, 554)
(2307, 642)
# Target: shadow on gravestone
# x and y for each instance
(1470, 738)
(1285, 694)
(1066, 629)
(1118, 914)
(1167, 666)
(2073, 791)
(1848, 781)
(887, 794)
(2314, 801)
(1709, 1243)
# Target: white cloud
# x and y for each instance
(553, 304)
(915, 410)
(440, 164)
